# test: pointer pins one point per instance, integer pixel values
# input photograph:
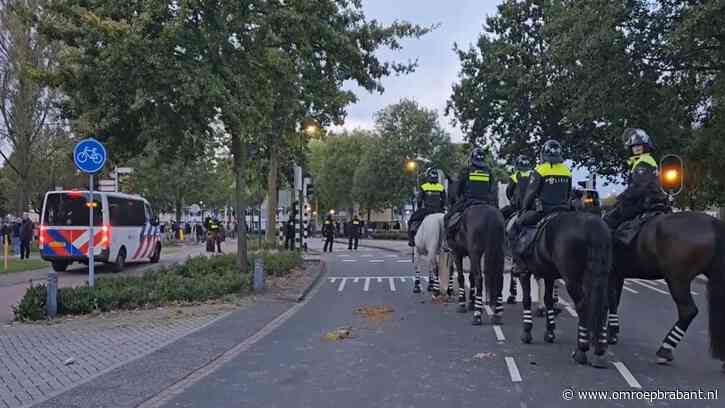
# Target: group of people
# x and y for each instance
(354, 233)
(19, 236)
(535, 191)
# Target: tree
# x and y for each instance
(335, 166)
(26, 106)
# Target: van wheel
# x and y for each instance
(157, 254)
(59, 266)
(120, 261)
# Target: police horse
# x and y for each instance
(676, 247)
(428, 240)
(576, 247)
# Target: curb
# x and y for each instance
(322, 271)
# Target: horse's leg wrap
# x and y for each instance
(550, 325)
(416, 284)
(613, 328)
(582, 346)
(498, 310)
(477, 320)
(449, 291)
(512, 291)
(673, 338)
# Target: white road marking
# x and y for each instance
(367, 284)
(376, 260)
(629, 289)
(648, 286)
(349, 260)
(402, 278)
(403, 261)
(499, 333)
(342, 285)
(332, 280)
(390, 256)
(366, 256)
(391, 281)
(513, 369)
(624, 371)
(355, 280)
(488, 309)
(380, 279)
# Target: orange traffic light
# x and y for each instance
(672, 172)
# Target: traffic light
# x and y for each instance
(309, 190)
(672, 174)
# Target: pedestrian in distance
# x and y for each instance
(328, 231)
(26, 237)
(355, 229)
(16, 237)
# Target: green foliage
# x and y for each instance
(199, 279)
(338, 160)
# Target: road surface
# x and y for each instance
(425, 354)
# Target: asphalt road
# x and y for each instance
(427, 355)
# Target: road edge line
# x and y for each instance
(318, 277)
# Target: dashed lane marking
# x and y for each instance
(624, 371)
(403, 261)
(513, 369)
(376, 260)
(349, 260)
(648, 286)
(499, 333)
(488, 309)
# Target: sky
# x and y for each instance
(461, 22)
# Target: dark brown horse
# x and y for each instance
(577, 247)
(677, 248)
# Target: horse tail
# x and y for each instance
(599, 265)
(716, 294)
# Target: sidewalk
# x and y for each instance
(385, 245)
(14, 285)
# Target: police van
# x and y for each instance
(124, 229)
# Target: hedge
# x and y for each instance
(199, 279)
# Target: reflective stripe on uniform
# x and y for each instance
(549, 170)
(432, 187)
(515, 176)
(647, 158)
(478, 175)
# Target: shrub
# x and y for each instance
(199, 279)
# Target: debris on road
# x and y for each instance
(481, 356)
(341, 333)
(69, 361)
(375, 313)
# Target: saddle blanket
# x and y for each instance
(628, 231)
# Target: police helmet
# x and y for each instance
(478, 157)
(637, 137)
(551, 152)
(522, 163)
(431, 175)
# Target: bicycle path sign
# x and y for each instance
(89, 155)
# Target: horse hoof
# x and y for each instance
(580, 357)
(549, 337)
(416, 289)
(477, 321)
(496, 320)
(511, 300)
(526, 337)
(539, 312)
(664, 356)
(599, 361)
(462, 309)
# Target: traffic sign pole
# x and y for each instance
(91, 238)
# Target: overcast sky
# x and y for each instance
(461, 22)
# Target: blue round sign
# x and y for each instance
(89, 155)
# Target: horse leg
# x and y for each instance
(511, 300)
(615, 295)
(462, 308)
(686, 311)
(525, 279)
(540, 306)
(449, 264)
(494, 277)
(550, 313)
(433, 265)
(477, 281)
(577, 296)
(557, 305)
(416, 267)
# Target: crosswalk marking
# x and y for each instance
(355, 279)
(628, 289)
(349, 260)
(499, 333)
(403, 261)
(513, 369)
(376, 260)
(342, 285)
(624, 372)
(392, 284)
(367, 284)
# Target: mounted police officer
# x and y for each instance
(431, 198)
(518, 183)
(476, 185)
(643, 193)
(549, 190)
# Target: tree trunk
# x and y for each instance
(239, 152)
(272, 195)
(722, 214)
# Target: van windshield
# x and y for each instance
(69, 209)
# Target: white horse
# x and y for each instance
(428, 241)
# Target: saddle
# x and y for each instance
(628, 231)
(529, 235)
(455, 219)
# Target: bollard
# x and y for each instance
(258, 281)
(52, 302)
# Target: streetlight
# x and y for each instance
(411, 165)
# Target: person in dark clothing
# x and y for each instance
(355, 229)
(643, 193)
(212, 235)
(516, 188)
(476, 185)
(549, 190)
(26, 237)
(431, 198)
(289, 235)
(328, 231)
